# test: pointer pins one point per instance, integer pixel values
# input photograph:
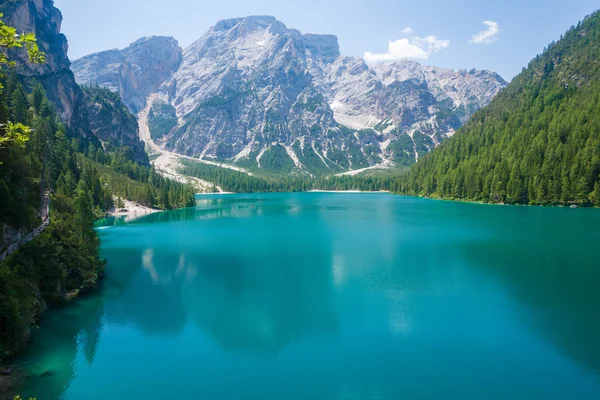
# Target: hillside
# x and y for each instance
(538, 142)
(58, 177)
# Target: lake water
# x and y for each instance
(334, 296)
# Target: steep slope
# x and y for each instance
(112, 122)
(253, 92)
(135, 72)
(412, 107)
(43, 19)
(538, 142)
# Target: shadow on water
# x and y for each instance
(547, 261)
(49, 360)
(558, 281)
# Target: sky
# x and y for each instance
(502, 36)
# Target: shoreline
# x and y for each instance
(216, 193)
(307, 191)
(488, 203)
(131, 211)
(458, 201)
(347, 191)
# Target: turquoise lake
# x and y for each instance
(333, 296)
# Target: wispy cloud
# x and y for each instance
(415, 48)
(407, 30)
(489, 36)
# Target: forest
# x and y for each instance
(40, 158)
(240, 182)
(538, 142)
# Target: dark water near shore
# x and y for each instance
(334, 296)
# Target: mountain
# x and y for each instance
(112, 123)
(538, 142)
(43, 19)
(135, 72)
(255, 93)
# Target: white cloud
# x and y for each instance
(432, 43)
(415, 48)
(407, 30)
(490, 35)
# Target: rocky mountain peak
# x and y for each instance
(254, 92)
(134, 72)
(253, 38)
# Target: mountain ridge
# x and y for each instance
(120, 72)
(251, 86)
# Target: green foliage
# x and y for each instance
(538, 142)
(10, 38)
(383, 125)
(276, 158)
(64, 258)
(16, 133)
(403, 150)
(339, 157)
(140, 184)
(239, 182)
(311, 161)
(311, 104)
(161, 119)
(423, 143)
(356, 157)
(108, 100)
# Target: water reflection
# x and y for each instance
(243, 291)
(50, 359)
(560, 289)
(378, 284)
(144, 291)
(257, 304)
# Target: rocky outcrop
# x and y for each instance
(43, 19)
(135, 72)
(112, 122)
(253, 92)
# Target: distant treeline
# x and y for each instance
(240, 182)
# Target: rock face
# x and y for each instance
(253, 92)
(135, 72)
(43, 19)
(112, 123)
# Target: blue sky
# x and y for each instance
(442, 33)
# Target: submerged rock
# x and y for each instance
(47, 374)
